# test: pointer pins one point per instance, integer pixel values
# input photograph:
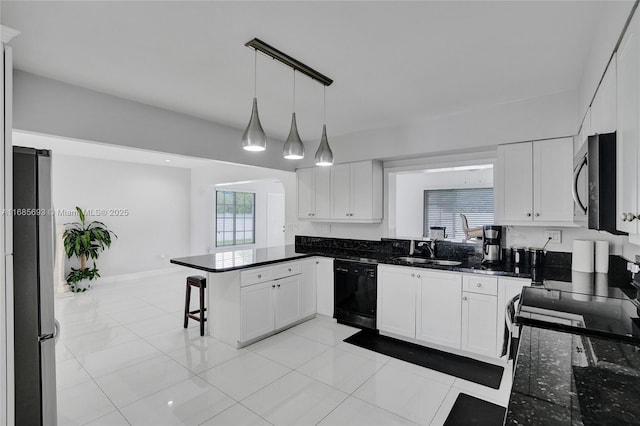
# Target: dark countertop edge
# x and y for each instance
(389, 261)
(528, 322)
(251, 265)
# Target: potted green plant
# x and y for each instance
(85, 241)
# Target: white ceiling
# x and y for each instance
(392, 62)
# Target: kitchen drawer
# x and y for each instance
(253, 276)
(285, 270)
(481, 285)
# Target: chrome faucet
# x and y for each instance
(431, 245)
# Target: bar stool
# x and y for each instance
(200, 282)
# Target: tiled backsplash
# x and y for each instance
(350, 247)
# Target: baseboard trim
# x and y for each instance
(138, 275)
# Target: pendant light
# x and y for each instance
(254, 138)
(293, 148)
(324, 155)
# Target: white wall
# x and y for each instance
(261, 188)
(158, 225)
(203, 182)
(548, 116)
(409, 195)
(51, 107)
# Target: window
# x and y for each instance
(235, 218)
(442, 207)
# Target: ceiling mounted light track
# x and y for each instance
(254, 138)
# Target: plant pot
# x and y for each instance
(80, 286)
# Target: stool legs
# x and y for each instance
(187, 301)
(200, 282)
(202, 318)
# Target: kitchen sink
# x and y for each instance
(440, 262)
(410, 259)
(445, 262)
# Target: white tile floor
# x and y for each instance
(124, 359)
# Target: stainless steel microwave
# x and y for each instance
(594, 184)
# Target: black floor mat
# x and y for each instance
(455, 365)
(469, 410)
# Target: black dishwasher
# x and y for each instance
(355, 293)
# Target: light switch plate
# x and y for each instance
(555, 236)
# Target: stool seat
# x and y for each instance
(200, 282)
(197, 280)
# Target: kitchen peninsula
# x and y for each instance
(254, 293)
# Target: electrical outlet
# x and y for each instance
(554, 236)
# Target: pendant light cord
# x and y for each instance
(294, 90)
(324, 101)
(255, 73)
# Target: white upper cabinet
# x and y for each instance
(533, 183)
(585, 130)
(322, 192)
(341, 191)
(628, 89)
(314, 193)
(514, 183)
(604, 106)
(306, 193)
(350, 192)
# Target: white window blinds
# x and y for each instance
(442, 207)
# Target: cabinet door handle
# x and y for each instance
(278, 285)
(418, 276)
(317, 263)
(624, 217)
(478, 285)
(537, 214)
(259, 276)
(464, 297)
(273, 286)
(289, 269)
(528, 214)
(413, 275)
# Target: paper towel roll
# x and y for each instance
(582, 259)
(581, 286)
(602, 256)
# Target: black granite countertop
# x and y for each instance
(570, 379)
(599, 305)
(234, 259)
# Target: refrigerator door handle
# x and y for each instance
(56, 330)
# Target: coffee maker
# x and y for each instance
(491, 243)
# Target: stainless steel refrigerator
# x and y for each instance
(35, 328)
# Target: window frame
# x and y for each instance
(234, 218)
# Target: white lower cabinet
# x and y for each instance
(396, 310)
(479, 313)
(286, 301)
(307, 294)
(271, 304)
(324, 285)
(256, 310)
(439, 307)
(447, 309)
(507, 289)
